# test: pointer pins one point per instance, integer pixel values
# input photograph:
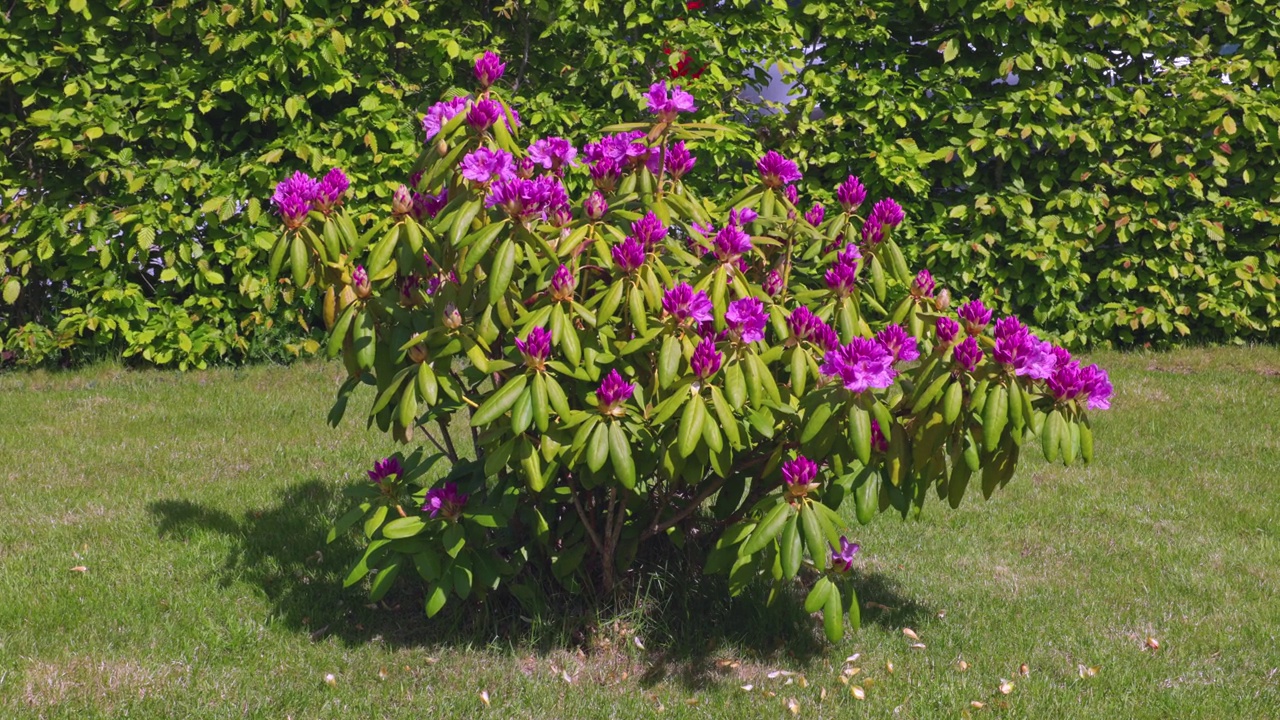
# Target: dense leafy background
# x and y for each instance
(1120, 191)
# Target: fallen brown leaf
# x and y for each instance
(858, 692)
(976, 705)
(910, 633)
(916, 646)
(793, 706)
(1024, 671)
(962, 666)
(79, 569)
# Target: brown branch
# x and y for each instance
(685, 512)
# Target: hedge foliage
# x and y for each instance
(1111, 172)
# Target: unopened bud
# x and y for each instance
(401, 202)
(360, 282)
(442, 147)
(418, 354)
(452, 318)
(942, 299)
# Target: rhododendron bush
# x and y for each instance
(639, 366)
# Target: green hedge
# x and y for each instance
(1108, 199)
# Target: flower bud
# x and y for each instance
(452, 319)
(595, 206)
(942, 300)
(562, 284)
(360, 282)
(402, 201)
(418, 353)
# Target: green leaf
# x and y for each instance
(385, 578)
(767, 530)
(598, 447)
(403, 527)
(813, 538)
(500, 401)
(690, 430)
(833, 615)
(817, 597)
(620, 453)
(791, 548)
(436, 598)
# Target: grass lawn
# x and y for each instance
(161, 556)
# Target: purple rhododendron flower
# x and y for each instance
(861, 365)
(484, 165)
(975, 316)
(553, 153)
(678, 161)
(385, 468)
(595, 206)
(872, 231)
(483, 113)
(1096, 386)
(815, 215)
(706, 359)
(850, 254)
(562, 283)
(776, 170)
(773, 283)
(1061, 356)
(649, 229)
(613, 392)
(746, 319)
(851, 193)
(628, 255)
(807, 327)
(331, 189)
(923, 284)
(1017, 348)
(1065, 382)
(528, 199)
(293, 198)
(535, 348)
(440, 114)
(946, 329)
(889, 212)
(685, 303)
(622, 148)
(896, 340)
(842, 558)
(444, 501)
(842, 277)
(731, 243)
(426, 205)
(967, 354)
(739, 217)
(489, 68)
(791, 194)
(800, 471)
(666, 104)
(605, 174)
(879, 442)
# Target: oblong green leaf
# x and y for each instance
(500, 401)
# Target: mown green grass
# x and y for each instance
(197, 503)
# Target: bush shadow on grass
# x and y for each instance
(686, 625)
